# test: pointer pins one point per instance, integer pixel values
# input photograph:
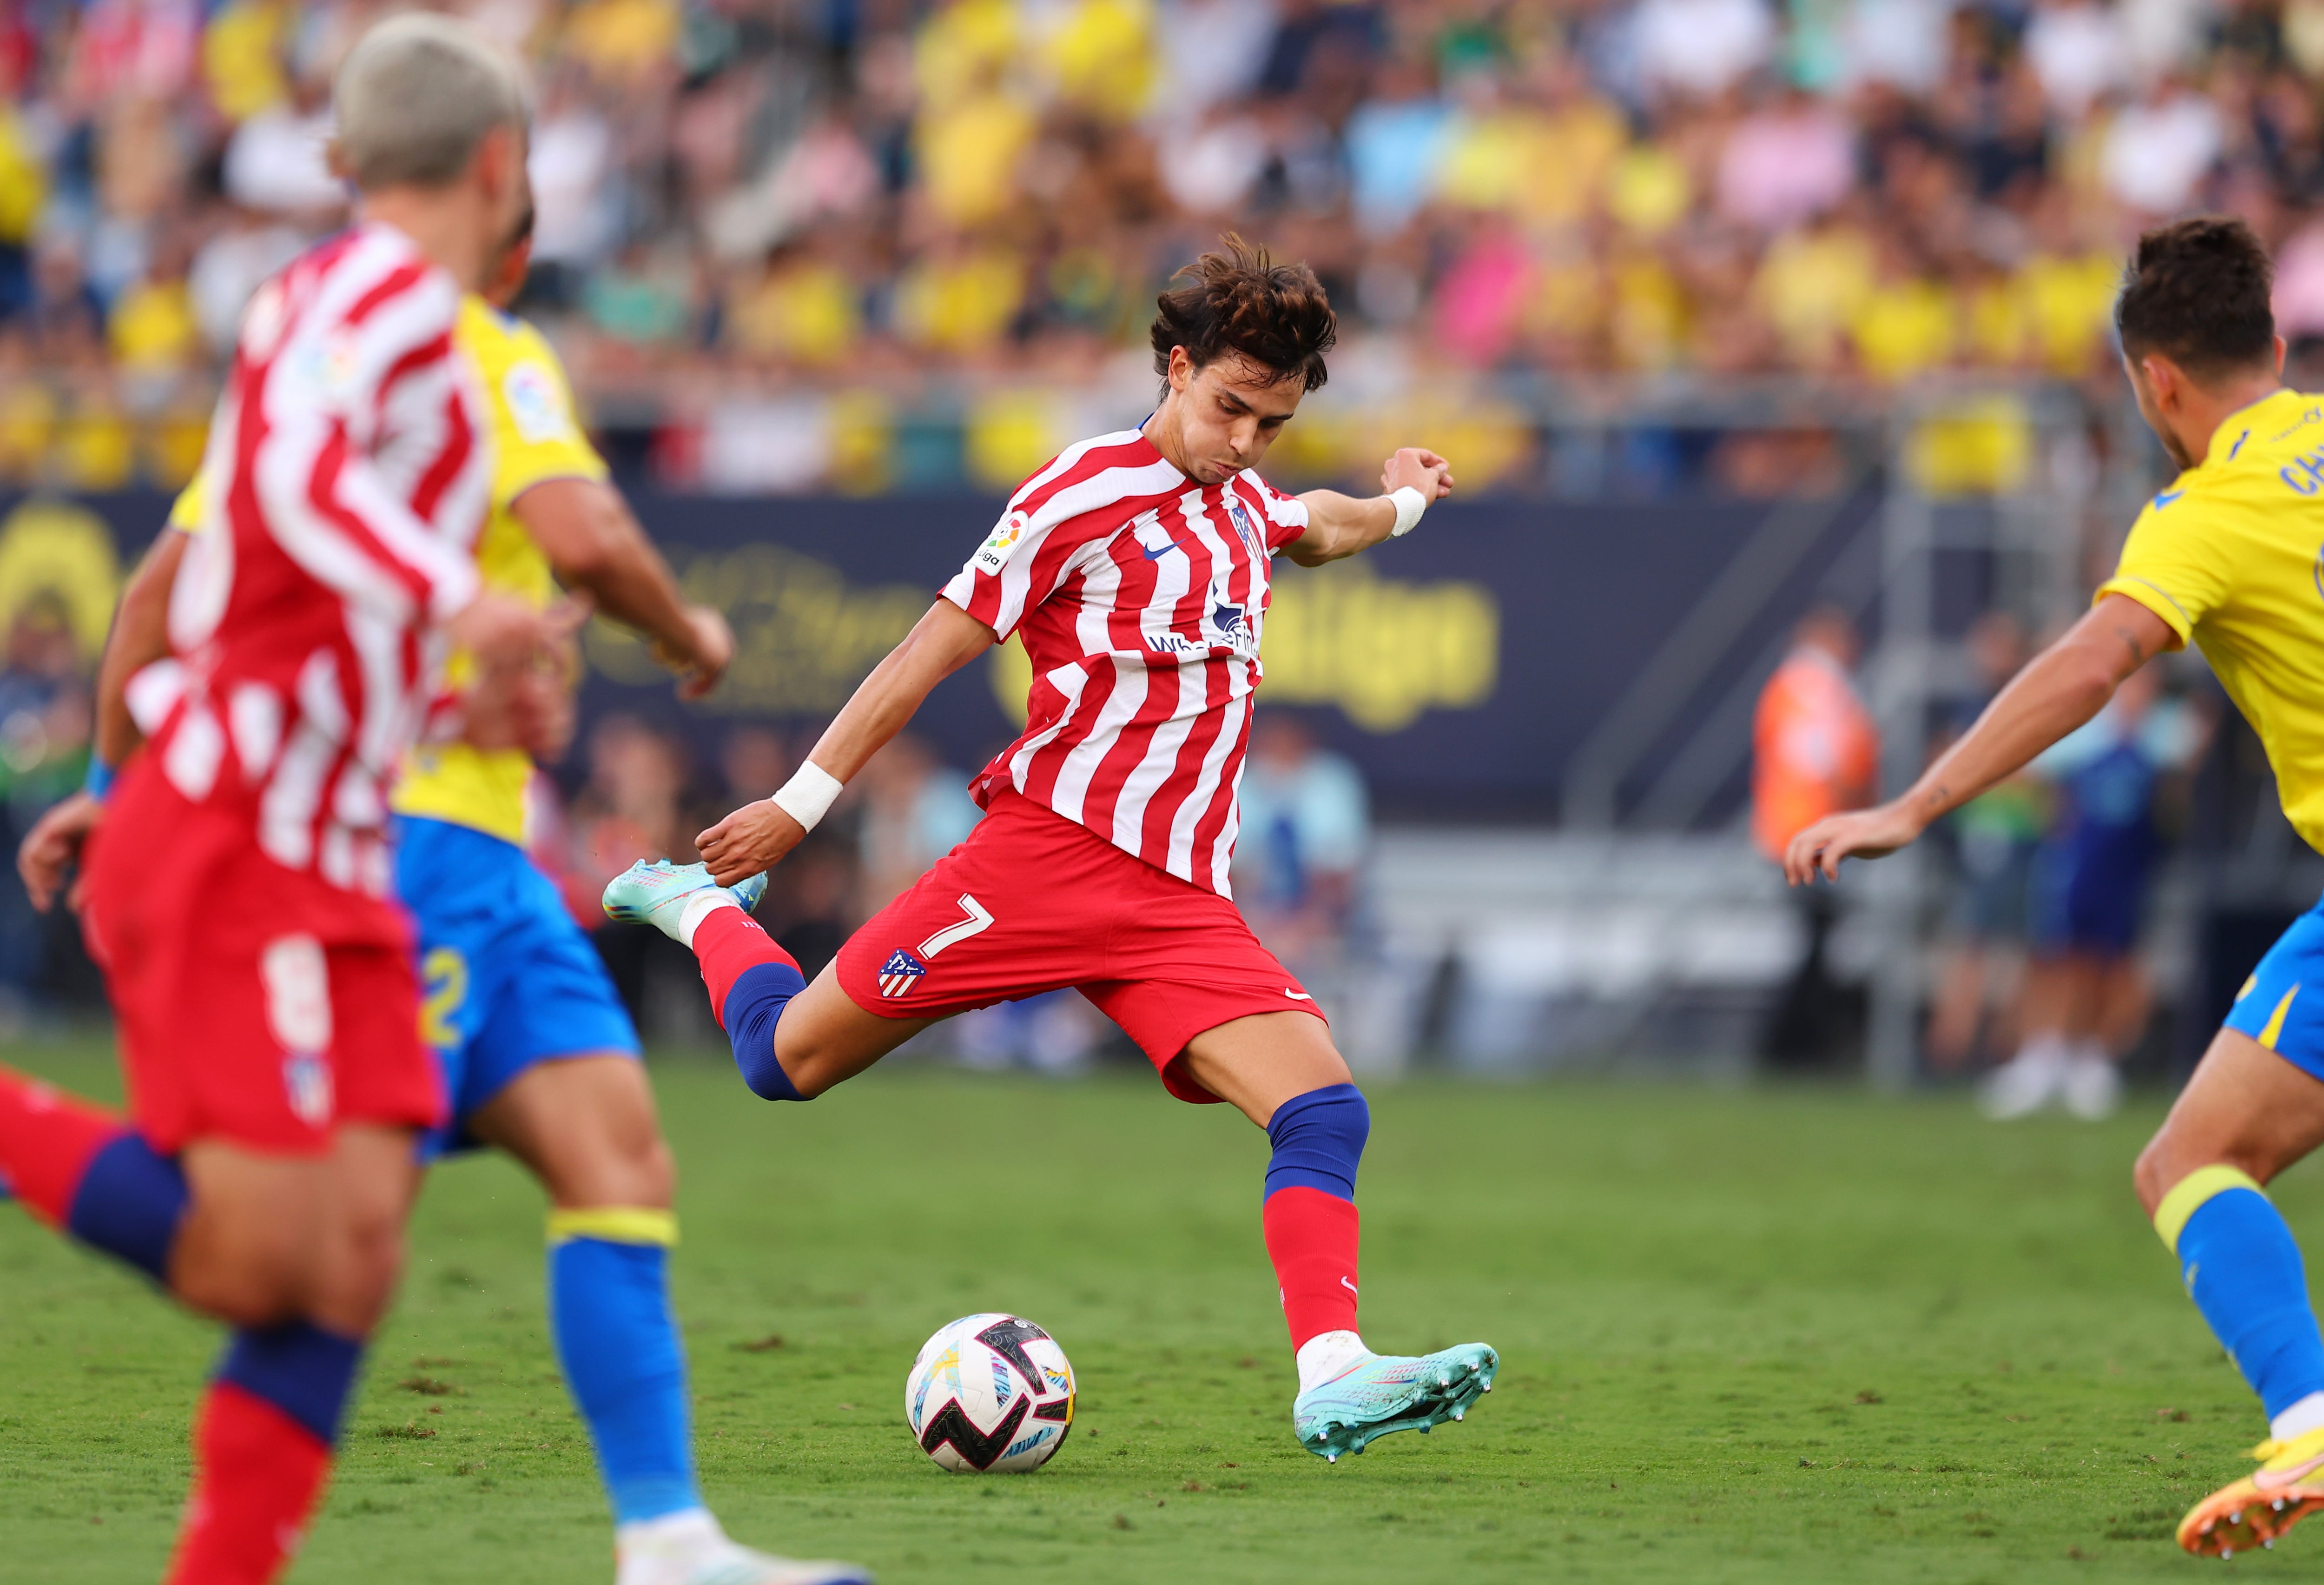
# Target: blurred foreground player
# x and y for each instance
(1135, 567)
(537, 1054)
(2226, 558)
(238, 895)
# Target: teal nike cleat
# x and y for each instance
(654, 891)
(1391, 1391)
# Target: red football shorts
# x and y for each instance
(254, 1005)
(1032, 903)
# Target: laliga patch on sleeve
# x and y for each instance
(535, 406)
(993, 554)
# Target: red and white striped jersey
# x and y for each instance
(348, 477)
(1141, 596)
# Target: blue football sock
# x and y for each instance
(617, 1341)
(757, 1001)
(299, 1367)
(2243, 1270)
(128, 1203)
(1319, 1138)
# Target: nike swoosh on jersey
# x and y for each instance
(1154, 555)
(2166, 498)
(1299, 996)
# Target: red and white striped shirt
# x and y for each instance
(1141, 596)
(347, 479)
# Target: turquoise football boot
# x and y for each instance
(1391, 1391)
(655, 892)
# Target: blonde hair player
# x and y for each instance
(237, 895)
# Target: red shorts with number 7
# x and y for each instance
(1033, 901)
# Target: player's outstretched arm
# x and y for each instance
(596, 545)
(757, 835)
(2059, 690)
(1340, 525)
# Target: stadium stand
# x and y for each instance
(864, 244)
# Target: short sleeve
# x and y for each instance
(2171, 564)
(536, 437)
(1287, 515)
(1039, 539)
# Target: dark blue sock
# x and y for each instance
(299, 1367)
(2243, 1270)
(128, 1203)
(1318, 1138)
(759, 994)
(617, 1341)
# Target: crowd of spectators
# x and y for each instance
(848, 205)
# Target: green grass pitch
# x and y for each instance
(1774, 1335)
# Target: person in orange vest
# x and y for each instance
(1815, 752)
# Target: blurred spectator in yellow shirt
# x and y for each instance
(1906, 325)
(802, 310)
(961, 298)
(1812, 283)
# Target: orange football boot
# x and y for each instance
(2288, 1486)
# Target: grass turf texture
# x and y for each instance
(1769, 1335)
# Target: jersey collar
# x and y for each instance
(2272, 411)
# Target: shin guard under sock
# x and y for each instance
(2243, 1269)
(263, 1452)
(751, 981)
(618, 1342)
(80, 1167)
(1310, 1213)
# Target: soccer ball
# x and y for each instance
(990, 1392)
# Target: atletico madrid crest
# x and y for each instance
(900, 973)
(1243, 524)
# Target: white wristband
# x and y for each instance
(1409, 504)
(807, 796)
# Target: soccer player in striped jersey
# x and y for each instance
(1135, 569)
(537, 1056)
(237, 896)
(2224, 558)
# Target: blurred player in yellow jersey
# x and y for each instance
(538, 1057)
(2225, 559)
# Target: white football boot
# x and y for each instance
(2026, 1083)
(2093, 1085)
(690, 1549)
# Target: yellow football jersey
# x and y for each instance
(534, 438)
(2229, 556)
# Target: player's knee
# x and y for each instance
(2174, 1152)
(242, 1271)
(648, 1173)
(358, 1286)
(804, 1063)
(2150, 1176)
(811, 1076)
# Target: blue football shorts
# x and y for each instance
(2281, 1005)
(507, 978)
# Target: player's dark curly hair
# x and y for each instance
(2198, 293)
(1240, 299)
